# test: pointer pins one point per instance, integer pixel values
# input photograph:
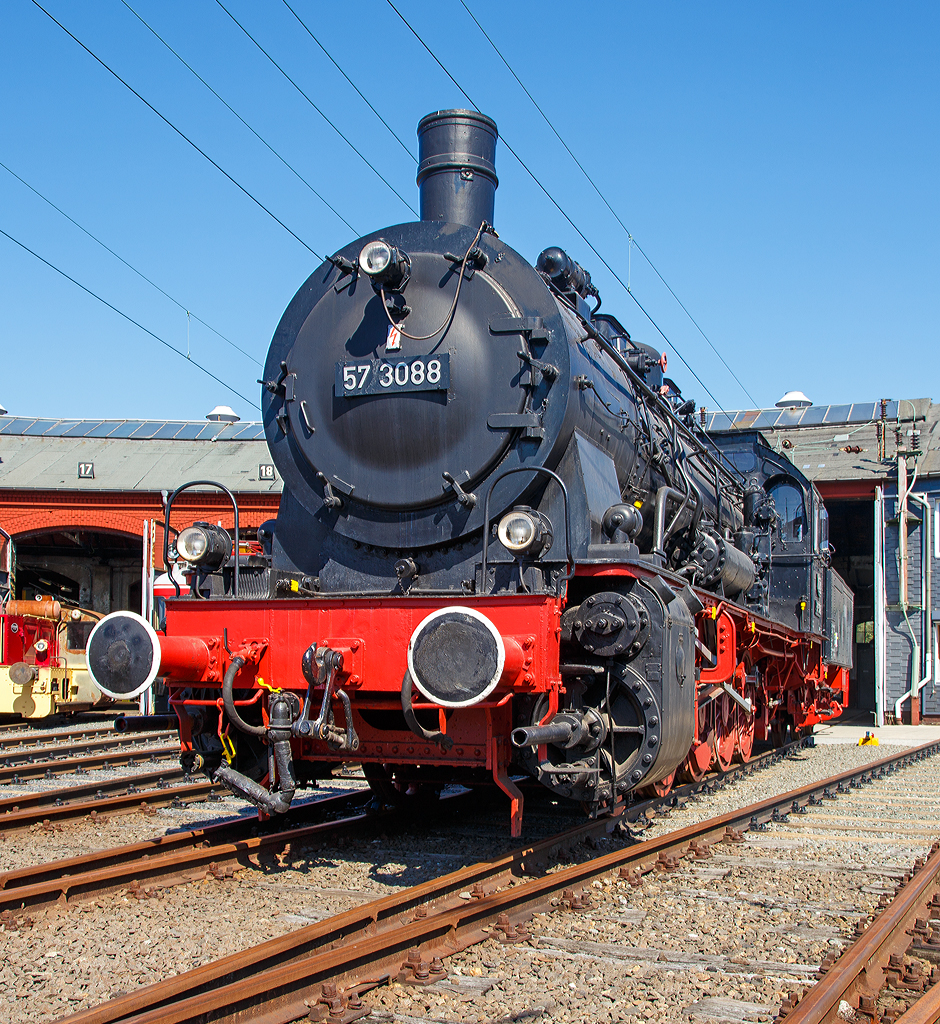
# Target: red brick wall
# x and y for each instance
(26, 512)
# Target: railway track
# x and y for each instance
(86, 721)
(50, 750)
(141, 793)
(28, 741)
(145, 793)
(321, 971)
(216, 850)
(168, 776)
(47, 768)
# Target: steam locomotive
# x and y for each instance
(504, 547)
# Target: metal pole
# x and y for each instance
(881, 634)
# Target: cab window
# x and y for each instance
(788, 499)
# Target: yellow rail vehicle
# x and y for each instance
(42, 659)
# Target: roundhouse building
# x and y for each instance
(83, 500)
(877, 466)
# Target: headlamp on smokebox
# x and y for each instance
(525, 533)
(204, 545)
(387, 266)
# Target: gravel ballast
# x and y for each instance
(657, 952)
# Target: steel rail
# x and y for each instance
(167, 859)
(365, 946)
(860, 971)
(144, 800)
(925, 1011)
(24, 737)
(44, 735)
(383, 913)
(71, 794)
(116, 740)
(49, 769)
(89, 722)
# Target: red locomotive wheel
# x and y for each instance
(699, 758)
(661, 788)
(725, 733)
(746, 726)
(697, 762)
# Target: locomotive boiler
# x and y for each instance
(504, 547)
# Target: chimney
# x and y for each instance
(456, 173)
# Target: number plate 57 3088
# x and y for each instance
(381, 376)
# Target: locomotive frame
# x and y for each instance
(493, 497)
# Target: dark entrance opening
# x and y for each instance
(93, 569)
(852, 534)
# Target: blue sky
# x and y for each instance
(777, 162)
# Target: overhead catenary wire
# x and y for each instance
(303, 93)
(633, 242)
(178, 131)
(235, 113)
(557, 206)
(130, 319)
(131, 267)
(401, 142)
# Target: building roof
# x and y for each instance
(812, 416)
(132, 455)
(138, 430)
(820, 440)
(155, 455)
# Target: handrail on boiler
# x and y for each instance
(486, 517)
(166, 531)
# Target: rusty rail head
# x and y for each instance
(925, 1011)
(860, 971)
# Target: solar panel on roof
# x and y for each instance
(250, 431)
(147, 430)
(720, 421)
(126, 429)
(787, 417)
(189, 431)
(99, 428)
(15, 425)
(862, 412)
(36, 427)
(813, 416)
(745, 420)
(837, 414)
(166, 431)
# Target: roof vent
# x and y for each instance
(794, 400)
(223, 414)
